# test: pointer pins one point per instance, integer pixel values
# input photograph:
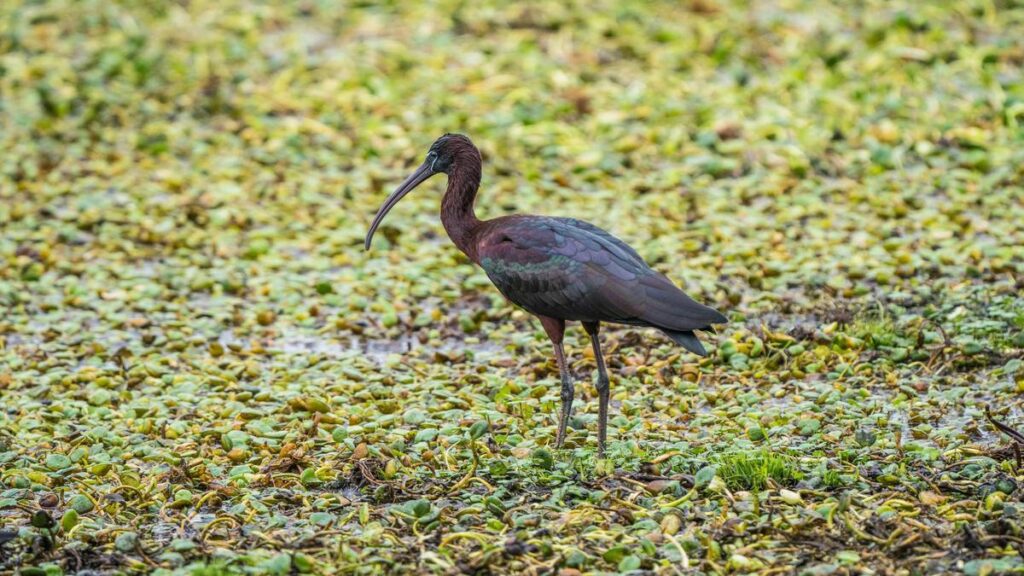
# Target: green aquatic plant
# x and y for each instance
(754, 469)
(202, 371)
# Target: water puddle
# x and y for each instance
(294, 342)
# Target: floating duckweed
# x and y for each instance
(58, 462)
(202, 371)
(81, 504)
(126, 541)
(69, 520)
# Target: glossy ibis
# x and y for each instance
(557, 269)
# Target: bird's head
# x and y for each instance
(441, 158)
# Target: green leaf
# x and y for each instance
(420, 508)
(321, 518)
(478, 429)
(415, 417)
(58, 462)
(704, 476)
(42, 519)
(126, 542)
(81, 504)
(615, 555)
(69, 520)
(543, 459)
(629, 563)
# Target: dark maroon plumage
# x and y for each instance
(569, 269)
(558, 269)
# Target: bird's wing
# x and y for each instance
(570, 269)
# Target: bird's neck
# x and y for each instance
(457, 213)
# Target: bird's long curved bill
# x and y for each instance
(414, 180)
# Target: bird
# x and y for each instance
(557, 269)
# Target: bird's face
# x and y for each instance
(441, 155)
(440, 159)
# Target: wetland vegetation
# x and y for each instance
(202, 372)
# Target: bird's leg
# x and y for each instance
(568, 391)
(556, 331)
(603, 386)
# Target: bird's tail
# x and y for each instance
(687, 340)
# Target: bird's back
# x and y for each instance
(570, 269)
